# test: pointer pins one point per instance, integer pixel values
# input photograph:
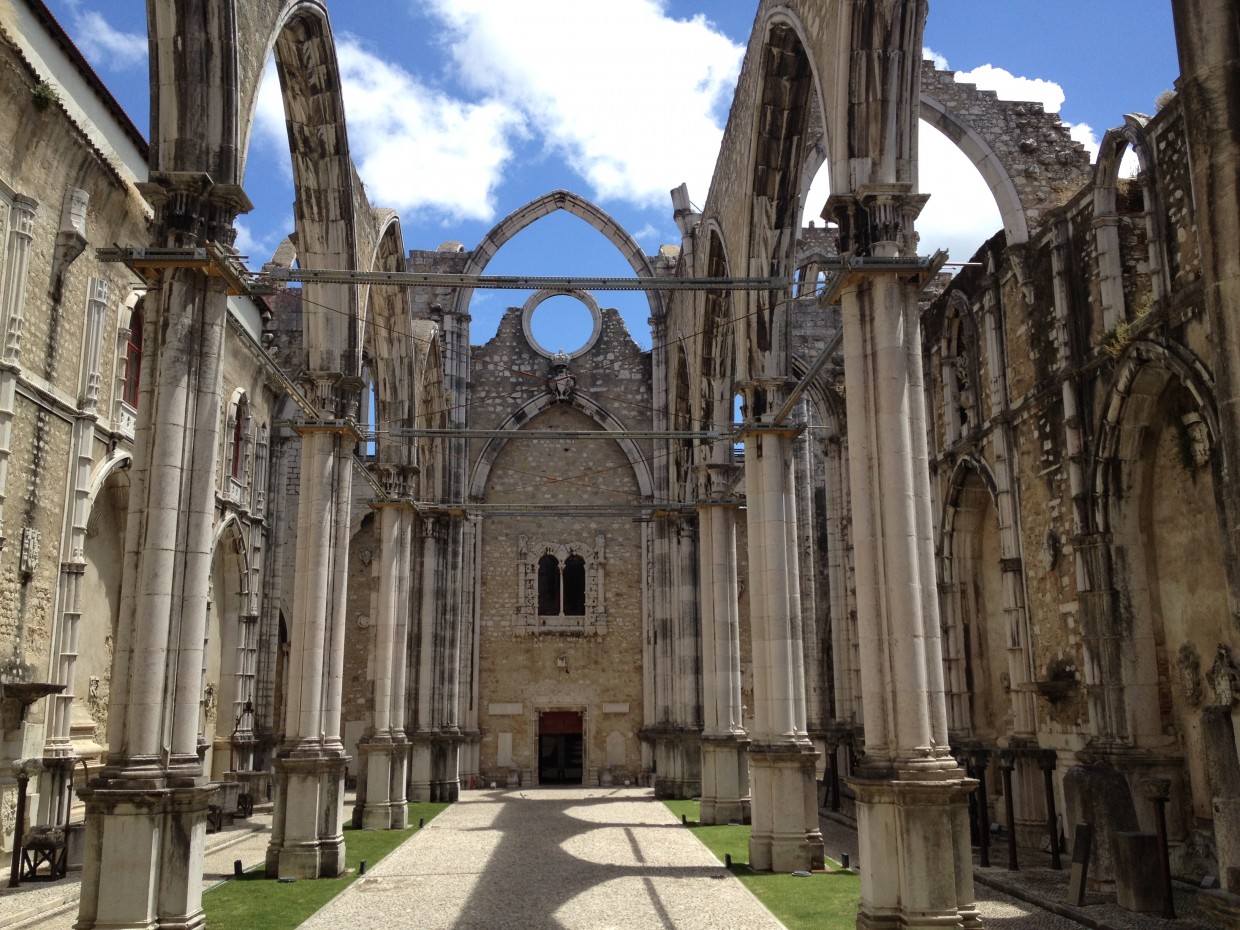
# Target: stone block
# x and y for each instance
(1138, 880)
(1099, 795)
(1227, 839)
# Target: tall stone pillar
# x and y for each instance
(307, 839)
(785, 836)
(422, 730)
(725, 764)
(1208, 37)
(146, 811)
(912, 814)
(20, 222)
(380, 803)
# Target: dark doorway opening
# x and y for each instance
(560, 759)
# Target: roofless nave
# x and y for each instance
(988, 531)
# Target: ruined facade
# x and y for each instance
(861, 535)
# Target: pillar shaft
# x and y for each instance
(150, 800)
(725, 766)
(306, 837)
(784, 796)
(912, 813)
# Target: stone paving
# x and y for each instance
(589, 859)
(559, 859)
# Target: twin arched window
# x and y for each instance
(561, 586)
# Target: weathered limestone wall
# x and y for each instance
(593, 664)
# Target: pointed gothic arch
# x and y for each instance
(481, 471)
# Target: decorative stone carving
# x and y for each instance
(562, 381)
(1198, 435)
(209, 701)
(1224, 677)
(1189, 664)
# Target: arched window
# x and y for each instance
(574, 586)
(561, 587)
(548, 586)
(133, 358)
(237, 437)
(240, 439)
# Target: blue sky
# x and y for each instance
(460, 111)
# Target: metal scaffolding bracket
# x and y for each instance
(211, 259)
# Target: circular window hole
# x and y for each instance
(562, 322)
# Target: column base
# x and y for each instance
(144, 857)
(420, 765)
(725, 780)
(376, 809)
(398, 779)
(307, 838)
(678, 761)
(785, 836)
(916, 863)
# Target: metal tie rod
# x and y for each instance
(519, 282)
(467, 433)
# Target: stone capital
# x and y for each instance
(191, 209)
(877, 220)
(715, 483)
(397, 480)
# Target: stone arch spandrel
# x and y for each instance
(1026, 155)
(549, 203)
(388, 334)
(1143, 373)
(1115, 143)
(325, 182)
(527, 411)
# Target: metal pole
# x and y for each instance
(1046, 762)
(979, 758)
(1007, 762)
(1158, 790)
(19, 769)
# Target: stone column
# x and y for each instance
(58, 753)
(1208, 38)
(785, 835)
(307, 838)
(377, 808)
(399, 774)
(725, 765)
(146, 811)
(912, 814)
(420, 757)
(12, 315)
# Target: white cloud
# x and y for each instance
(107, 46)
(416, 149)
(961, 213)
(258, 249)
(633, 112)
(940, 62)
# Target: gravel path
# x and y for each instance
(561, 859)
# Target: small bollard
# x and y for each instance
(844, 860)
(727, 860)
(421, 822)
(361, 869)
(683, 819)
(236, 868)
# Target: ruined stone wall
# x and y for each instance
(530, 663)
(1109, 500)
(43, 156)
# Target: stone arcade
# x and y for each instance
(966, 534)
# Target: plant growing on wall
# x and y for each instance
(44, 95)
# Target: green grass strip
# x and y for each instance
(256, 901)
(823, 901)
